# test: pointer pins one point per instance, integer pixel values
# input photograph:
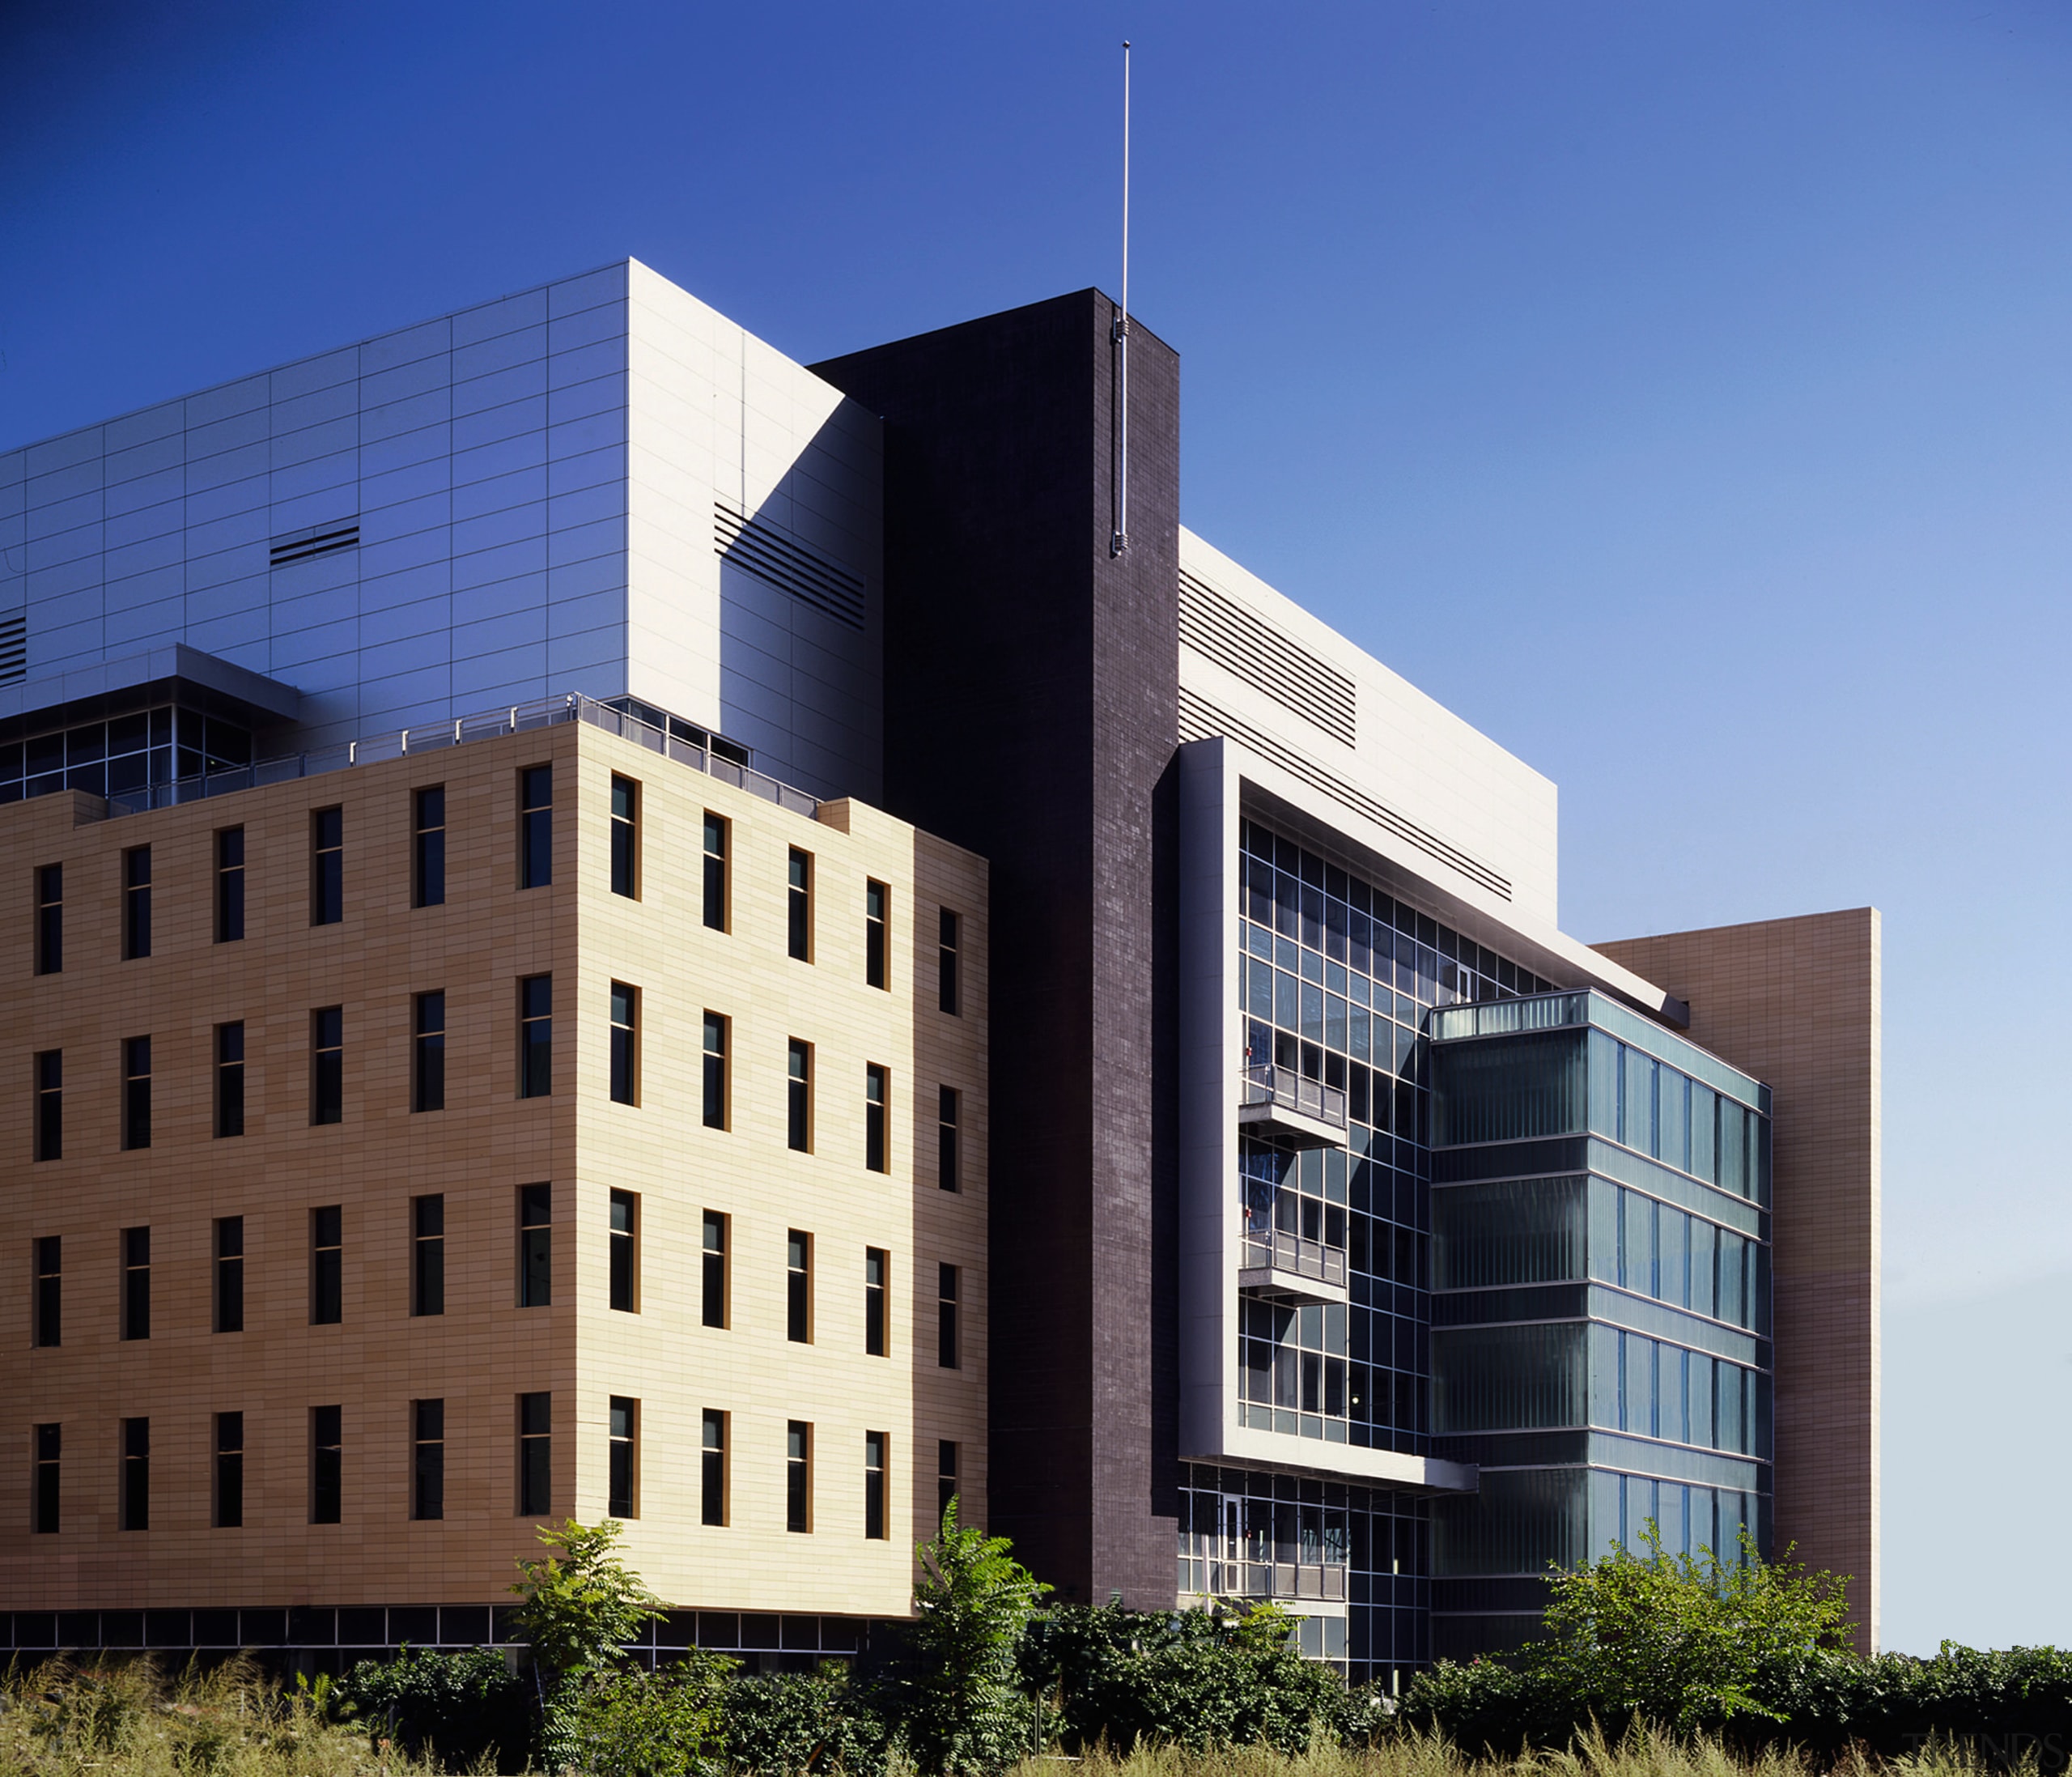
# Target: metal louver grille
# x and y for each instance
(14, 646)
(767, 554)
(1238, 641)
(308, 544)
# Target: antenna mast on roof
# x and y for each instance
(1119, 541)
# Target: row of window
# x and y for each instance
(535, 869)
(427, 1088)
(532, 1470)
(533, 1278)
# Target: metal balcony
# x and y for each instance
(1307, 1113)
(1278, 1264)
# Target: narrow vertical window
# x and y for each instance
(874, 1452)
(136, 1092)
(798, 919)
(136, 901)
(946, 1153)
(875, 1091)
(50, 1447)
(326, 1265)
(876, 969)
(227, 1505)
(50, 918)
(624, 1252)
(798, 1475)
(715, 873)
(327, 1464)
(136, 1283)
(535, 1246)
(714, 1281)
(536, 826)
(945, 1475)
(230, 884)
(798, 1098)
(874, 1281)
(48, 1307)
(428, 1053)
(327, 1065)
(948, 988)
(625, 1052)
(327, 866)
(716, 1071)
(230, 1078)
(428, 847)
(946, 1317)
(428, 1458)
(535, 1455)
(229, 1304)
(50, 1104)
(798, 1287)
(428, 1254)
(135, 1505)
(622, 1462)
(535, 1036)
(712, 1466)
(626, 838)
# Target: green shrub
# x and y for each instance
(791, 1724)
(629, 1722)
(458, 1708)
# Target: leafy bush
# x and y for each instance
(458, 1708)
(792, 1724)
(633, 1722)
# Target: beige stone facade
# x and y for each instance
(1795, 1002)
(485, 1350)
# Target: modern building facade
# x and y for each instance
(1132, 1075)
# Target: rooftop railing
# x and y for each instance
(1264, 1083)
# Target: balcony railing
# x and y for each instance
(1283, 1252)
(1324, 1582)
(1264, 1083)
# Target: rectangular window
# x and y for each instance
(715, 1304)
(712, 1477)
(428, 1254)
(945, 1476)
(946, 1317)
(798, 1287)
(50, 1104)
(227, 1506)
(536, 826)
(327, 1065)
(49, 1446)
(428, 847)
(230, 884)
(716, 1071)
(876, 898)
(948, 991)
(136, 1283)
(428, 1053)
(230, 1078)
(50, 918)
(625, 1251)
(48, 1307)
(327, 866)
(535, 1246)
(875, 1091)
(535, 1455)
(621, 1464)
(715, 873)
(798, 1476)
(946, 1155)
(428, 1458)
(626, 1049)
(625, 837)
(327, 1464)
(874, 1452)
(136, 1092)
(326, 1265)
(136, 901)
(135, 1506)
(535, 1036)
(229, 1305)
(798, 1098)
(798, 926)
(876, 1269)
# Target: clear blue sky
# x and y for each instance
(1683, 393)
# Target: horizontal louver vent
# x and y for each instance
(768, 554)
(1199, 720)
(14, 646)
(1240, 644)
(305, 544)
